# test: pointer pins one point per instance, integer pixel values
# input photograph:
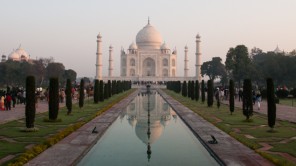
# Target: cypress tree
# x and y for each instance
(101, 90)
(30, 102)
(81, 93)
(192, 90)
(196, 90)
(106, 91)
(96, 91)
(113, 87)
(210, 99)
(68, 92)
(184, 89)
(271, 106)
(247, 99)
(53, 103)
(231, 96)
(189, 89)
(110, 88)
(203, 93)
(179, 87)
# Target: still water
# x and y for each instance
(148, 132)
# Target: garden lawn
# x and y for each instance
(251, 133)
(14, 142)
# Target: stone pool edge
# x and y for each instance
(228, 150)
(75, 146)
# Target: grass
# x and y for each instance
(236, 126)
(14, 142)
(288, 101)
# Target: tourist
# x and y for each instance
(258, 99)
(8, 101)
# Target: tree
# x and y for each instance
(184, 89)
(53, 102)
(238, 62)
(231, 96)
(203, 93)
(192, 90)
(210, 98)
(30, 101)
(96, 91)
(110, 88)
(214, 68)
(81, 93)
(68, 92)
(101, 90)
(106, 95)
(247, 99)
(196, 90)
(55, 70)
(70, 74)
(271, 106)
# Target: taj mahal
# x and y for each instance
(149, 59)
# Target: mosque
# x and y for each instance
(17, 55)
(149, 59)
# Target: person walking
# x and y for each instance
(258, 99)
(8, 102)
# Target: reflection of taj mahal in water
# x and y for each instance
(148, 115)
(149, 59)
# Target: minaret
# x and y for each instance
(110, 61)
(198, 59)
(186, 62)
(99, 58)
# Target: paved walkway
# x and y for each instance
(283, 112)
(19, 111)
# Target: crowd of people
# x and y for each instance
(9, 99)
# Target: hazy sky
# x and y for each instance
(66, 29)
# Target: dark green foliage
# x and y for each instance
(203, 93)
(271, 106)
(68, 92)
(189, 89)
(53, 103)
(113, 86)
(96, 91)
(247, 99)
(30, 102)
(196, 90)
(210, 99)
(110, 88)
(184, 89)
(101, 90)
(192, 92)
(231, 96)
(106, 95)
(81, 93)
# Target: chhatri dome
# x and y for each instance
(149, 37)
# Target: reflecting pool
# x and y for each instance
(148, 132)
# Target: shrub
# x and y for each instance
(96, 91)
(271, 106)
(68, 92)
(53, 102)
(247, 99)
(30, 101)
(231, 96)
(81, 93)
(210, 93)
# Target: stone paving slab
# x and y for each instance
(71, 149)
(230, 151)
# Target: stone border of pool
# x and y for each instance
(228, 151)
(71, 149)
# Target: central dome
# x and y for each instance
(149, 38)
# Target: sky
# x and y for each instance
(66, 29)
